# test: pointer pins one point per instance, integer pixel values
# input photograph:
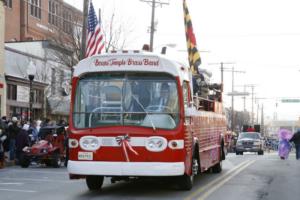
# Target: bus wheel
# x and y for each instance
(217, 168)
(94, 182)
(185, 182)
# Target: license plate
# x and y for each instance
(85, 155)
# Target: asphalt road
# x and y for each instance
(247, 177)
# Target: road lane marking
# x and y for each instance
(13, 190)
(39, 171)
(38, 180)
(210, 184)
(11, 183)
(221, 183)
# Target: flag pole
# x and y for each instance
(84, 28)
(99, 17)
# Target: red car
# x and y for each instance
(50, 150)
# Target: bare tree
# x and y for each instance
(241, 118)
(117, 31)
(67, 45)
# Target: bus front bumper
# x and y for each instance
(126, 168)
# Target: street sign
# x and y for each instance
(290, 100)
(235, 93)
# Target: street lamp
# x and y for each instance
(31, 71)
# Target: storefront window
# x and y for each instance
(11, 92)
(35, 8)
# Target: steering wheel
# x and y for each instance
(159, 108)
(91, 114)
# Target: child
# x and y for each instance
(284, 147)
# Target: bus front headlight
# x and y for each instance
(89, 143)
(156, 144)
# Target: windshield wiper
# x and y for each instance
(138, 102)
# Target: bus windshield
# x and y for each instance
(148, 100)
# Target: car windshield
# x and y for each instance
(249, 135)
(149, 100)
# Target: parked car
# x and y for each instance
(50, 149)
(249, 142)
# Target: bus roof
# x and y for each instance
(131, 61)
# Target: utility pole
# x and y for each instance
(222, 70)
(152, 25)
(232, 96)
(262, 121)
(232, 87)
(252, 106)
(232, 101)
(257, 112)
(84, 28)
(252, 113)
(244, 99)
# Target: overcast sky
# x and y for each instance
(262, 37)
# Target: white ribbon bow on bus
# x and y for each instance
(124, 142)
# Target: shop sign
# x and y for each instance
(22, 93)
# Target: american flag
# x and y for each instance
(95, 39)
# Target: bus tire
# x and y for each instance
(186, 182)
(217, 168)
(94, 182)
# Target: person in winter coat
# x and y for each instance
(296, 140)
(284, 146)
(13, 131)
(3, 137)
(22, 140)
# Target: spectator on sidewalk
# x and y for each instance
(38, 125)
(46, 122)
(3, 137)
(13, 131)
(296, 140)
(4, 129)
(22, 141)
(33, 131)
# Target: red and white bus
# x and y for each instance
(134, 114)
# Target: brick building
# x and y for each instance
(31, 26)
(39, 19)
(2, 80)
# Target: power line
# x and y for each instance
(152, 26)
(222, 70)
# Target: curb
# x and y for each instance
(9, 163)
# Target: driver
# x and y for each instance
(164, 94)
(163, 101)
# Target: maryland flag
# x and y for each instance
(194, 56)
